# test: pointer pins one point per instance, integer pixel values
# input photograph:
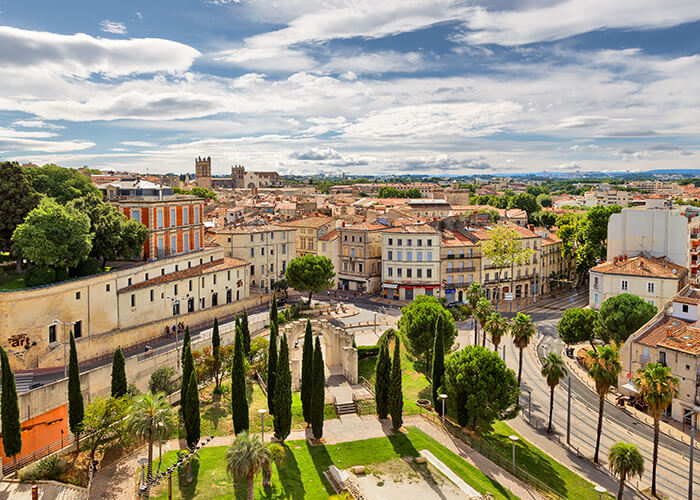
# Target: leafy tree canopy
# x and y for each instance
(577, 325)
(417, 322)
(63, 184)
(310, 273)
(18, 199)
(622, 315)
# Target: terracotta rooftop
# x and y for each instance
(455, 239)
(365, 226)
(246, 228)
(692, 297)
(642, 266)
(686, 339)
(317, 221)
(665, 327)
(206, 268)
(330, 235)
(411, 228)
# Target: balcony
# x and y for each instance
(460, 269)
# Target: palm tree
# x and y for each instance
(603, 368)
(625, 461)
(151, 418)
(246, 455)
(474, 293)
(276, 454)
(496, 326)
(657, 387)
(553, 371)
(482, 311)
(522, 329)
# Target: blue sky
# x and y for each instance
(309, 86)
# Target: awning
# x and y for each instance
(392, 286)
(630, 387)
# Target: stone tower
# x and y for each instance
(202, 170)
(238, 176)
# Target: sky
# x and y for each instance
(360, 87)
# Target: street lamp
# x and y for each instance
(57, 322)
(601, 491)
(443, 397)
(262, 412)
(176, 300)
(513, 439)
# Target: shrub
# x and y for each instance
(39, 275)
(86, 268)
(162, 381)
(50, 467)
(365, 351)
(61, 274)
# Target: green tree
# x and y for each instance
(162, 381)
(625, 461)
(63, 184)
(522, 329)
(283, 393)
(239, 400)
(413, 193)
(388, 192)
(396, 389)
(216, 354)
(272, 369)
(318, 392)
(382, 381)
(475, 292)
(76, 409)
(578, 325)
(245, 457)
(187, 371)
(657, 387)
(480, 386)
(482, 312)
(438, 363)
(104, 422)
(119, 384)
(191, 412)
(417, 323)
(18, 199)
(496, 326)
(525, 201)
(622, 315)
(307, 372)
(151, 417)
(277, 454)
(274, 317)
(603, 368)
(544, 200)
(553, 370)
(310, 273)
(504, 248)
(185, 341)
(9, 411)
(245, 330)
(53, 235)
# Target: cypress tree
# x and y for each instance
(187, 371)
(382, 379)
(9, 411)
(307, 372)
(245, 329)
(273, 312)
(239, 400)
(119, 386)
(192, 430)
(185, 341)
(318, 394)
(272, 369)
(216, 354)
(283, 393)
(395, 389)
(438, 363)
(76, 410)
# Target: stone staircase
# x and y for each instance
(346, 408)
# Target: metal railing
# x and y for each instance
(367, 385)
(35, 455)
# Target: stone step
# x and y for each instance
(345, 408)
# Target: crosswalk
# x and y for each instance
(22, 382)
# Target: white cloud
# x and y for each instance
(113, 27)
(317, 154)
(137, 144)
(36, 124)
(83, 55)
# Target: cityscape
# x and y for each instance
(343, 250)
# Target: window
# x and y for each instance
(77, 295)
(52, 334)
(650, 287)
(345, 238)
(185, 215)
(202, 303)
(145, 277)
(390, 271)
(419, 273)
(190, 304)
(252, 252)
(662, 358)
(398, 272)
(419, 256)
(429, 273)
(214, 299)
(176, 308)
(323, 246)
(196, 240)
(595, 298)
(172, 217)
(623, 285)
(419, 243)
(430, 243)
(408, 242)
(398, 242)
(429, 256)
(160, 218)
(262, 237)
(345, 266)
(107, 287)
(190, 285)
(449, 280)
(390, 255)
(173, 244)
(136, 215)
(251, 238)
(151, 295)
(391, 241)
(252, 270)
(133, 300)
(162, 271)
(174, 289)
(352, 238)
(398, 255)
(409, 273)
(685, 308)
(409, 256)
(196, 214)
(78, 329)
(284, 248)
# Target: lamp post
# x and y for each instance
(443, 397)
(693, 423)
(176, 300)
(375, 324)
(513, 439)
(601, 491)
(57, 322)
(262, 412)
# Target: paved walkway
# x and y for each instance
(48, 490)
(449, 474)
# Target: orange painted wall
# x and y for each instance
(179, 240)
(179, 215)
(127, 212)
(38, 432)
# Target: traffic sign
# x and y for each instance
(507, 296)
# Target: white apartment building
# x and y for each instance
(267, 249)
(411, 261)
(607, 198)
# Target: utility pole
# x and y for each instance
(568, 414)
(692, 452)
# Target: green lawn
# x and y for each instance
(539, 464)
(414, 383)
(10, 280)
(300, 476)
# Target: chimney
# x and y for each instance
(531, 227)
(669, 329)
(343, 224)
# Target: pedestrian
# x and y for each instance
(167, 330)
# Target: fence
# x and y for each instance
(29, 458)
(494, 456)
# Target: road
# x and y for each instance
(672, 470)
